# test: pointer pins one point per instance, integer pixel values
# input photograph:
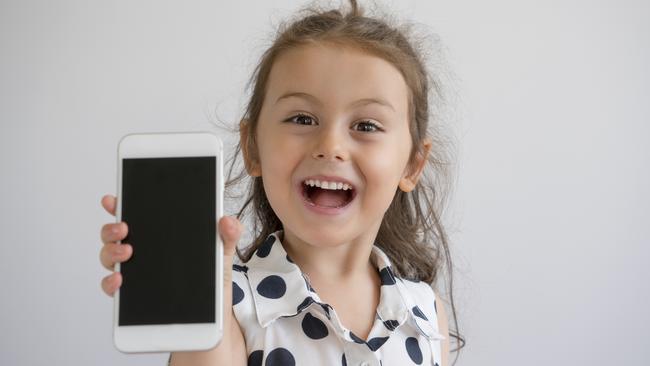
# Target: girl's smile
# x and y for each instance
(327, 195)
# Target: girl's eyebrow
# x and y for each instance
(360, 102)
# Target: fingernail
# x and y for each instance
(229, 224)
(115, 229)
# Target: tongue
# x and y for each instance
(328, 197)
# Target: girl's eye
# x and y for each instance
(367, 126)
(301, 119)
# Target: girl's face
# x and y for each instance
(333, 113)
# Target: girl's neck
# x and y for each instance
(331, 263)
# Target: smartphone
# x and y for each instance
(170, 194)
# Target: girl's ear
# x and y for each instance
(252, 166)
(412, 175)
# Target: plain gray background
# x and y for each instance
(548, 220)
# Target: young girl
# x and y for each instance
(347, 244)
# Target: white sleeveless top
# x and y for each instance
(285, 323)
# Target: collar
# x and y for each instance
(280, 289)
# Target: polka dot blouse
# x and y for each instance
(285, 323)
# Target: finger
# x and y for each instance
(109, 202)
(114, 253)
(114, 231)
(230, 230)
(111, 283)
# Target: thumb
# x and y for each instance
(230, 230)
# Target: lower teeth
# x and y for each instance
(315, 204)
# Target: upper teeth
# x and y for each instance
(327, 185)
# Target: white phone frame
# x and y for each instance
(172, 337)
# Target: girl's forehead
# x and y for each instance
(336, 73)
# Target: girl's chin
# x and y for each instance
(323, 236)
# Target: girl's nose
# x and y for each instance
(330, 146)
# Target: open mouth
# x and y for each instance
(327, 194)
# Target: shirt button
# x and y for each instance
(364, 364)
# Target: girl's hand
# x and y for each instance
(231, 350)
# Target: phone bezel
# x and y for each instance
(172, 337)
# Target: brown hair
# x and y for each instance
(411, 233)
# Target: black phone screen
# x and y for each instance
(169, 207)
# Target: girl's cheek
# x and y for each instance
(288, 145)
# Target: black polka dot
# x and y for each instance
(356, 339)
(413, 349)
(391, 324)
(272, 287)
(265, 248)
(304, 304)
(255, 358)
(387, 277)
(289, 259)
(237, 294)
(313, 327)
(344, 362)
(375, 343)
(238, 268)
(280, 357)
(435, 306)
(419, 313)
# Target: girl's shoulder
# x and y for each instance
(419, 296)
(423, 298)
